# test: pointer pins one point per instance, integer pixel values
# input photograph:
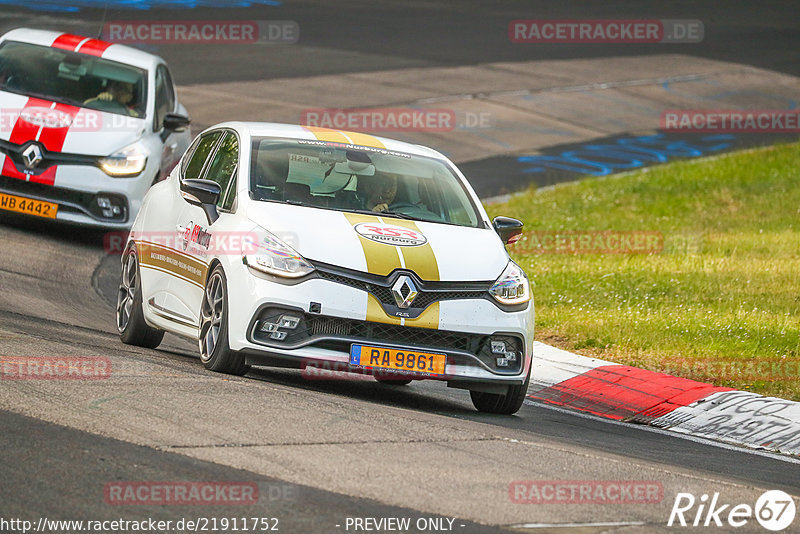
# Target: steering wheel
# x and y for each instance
(401, 205)
(109, 105)
(414, 210)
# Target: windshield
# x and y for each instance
(362, 179)
(72, 78)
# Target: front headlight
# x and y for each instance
(125, 163)
(512, 287)
(266, 253)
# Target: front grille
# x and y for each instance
(45, 192)
(14, 152)
(67, 199)
(337, 333)
(381, 287)
(394, 334)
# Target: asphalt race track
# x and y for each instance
(323, 451)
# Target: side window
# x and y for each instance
(196, 163)
(187, 156)
(165, 96)
(223, 170)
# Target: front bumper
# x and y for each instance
(333, 316)
(74, 206)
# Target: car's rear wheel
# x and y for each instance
(506, 404)
(215, 352)
(133, 330)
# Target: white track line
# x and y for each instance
(695, 439)
(578, 525)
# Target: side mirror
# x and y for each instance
(202, 193)
(509, 230)
(174, 122)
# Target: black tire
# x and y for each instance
(506, 404)
(132, 328)
(215, 352)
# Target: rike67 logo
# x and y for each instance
(774, 510)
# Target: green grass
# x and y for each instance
(724, 290)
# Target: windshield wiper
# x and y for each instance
(395, 214)
(398, 215)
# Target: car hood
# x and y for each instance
(65, 128)
(379, 245)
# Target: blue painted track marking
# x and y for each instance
(626, 153)
(72, 6)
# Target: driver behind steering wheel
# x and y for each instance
(120, 92)
(378, 192)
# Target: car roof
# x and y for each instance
(85, 45)
(313, 133)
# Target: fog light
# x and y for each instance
(288, 321)
(268, 327)
(511, 356)
(502, 362)
(498, 347)
(109, 207)
(278, 335)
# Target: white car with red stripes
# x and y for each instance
(86, 127)
(274, 244)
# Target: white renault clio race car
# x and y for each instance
(86, 127)
(296, 246)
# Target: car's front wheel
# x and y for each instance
(506, 404)
(132, 328)
(215, 352)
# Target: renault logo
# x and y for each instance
(404, 292)
(32, 156)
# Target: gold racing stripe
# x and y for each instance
(427, 319)
(339, 136)
(420, 259)
(382, 259)
(376, 314)
(364, 139)
(161, 258)
(326, 134)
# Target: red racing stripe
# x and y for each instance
(626, 393)
(21, 132)
(51, 138)
(94, 47)
(67, 41)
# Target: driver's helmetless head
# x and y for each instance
(381, 188)
(122, 91)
